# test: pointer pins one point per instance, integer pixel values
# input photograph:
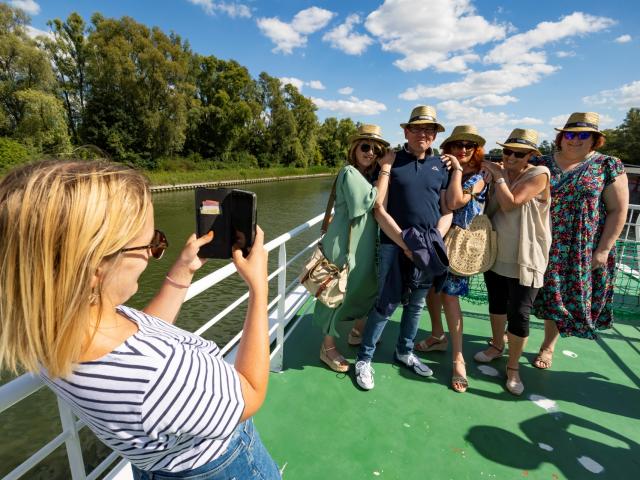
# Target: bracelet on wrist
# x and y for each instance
(459, 168)
(500, 180)
(384, 172)
(174, 283)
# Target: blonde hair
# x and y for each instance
(58, 221)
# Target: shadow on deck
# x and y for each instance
(581, 419)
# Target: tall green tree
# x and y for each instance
(140, 95)
(624, 141)
(333, 140)
(303, 110)
(68, 50)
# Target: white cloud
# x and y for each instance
(29, 6)
(316, 85)
(490, 99)
(428, 34)
(517, 49)
(559, 120)
(624, 97)
(525, 121)
(496, 82)
(288, 36)
(299, 84)
(343, 38)
(352, 106)
(232, 9)
(296, 82)
(346, 90)
(623, 39)
(565, 53)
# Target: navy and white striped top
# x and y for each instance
(165, 399)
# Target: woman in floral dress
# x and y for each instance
(590, 198)
(463, 154)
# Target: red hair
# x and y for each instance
(475, 163)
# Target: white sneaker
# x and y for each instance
(410, 360)
(364, 375)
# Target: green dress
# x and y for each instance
(355, 197)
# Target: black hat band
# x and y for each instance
(581, 124)
(422, 117)
(523, 141)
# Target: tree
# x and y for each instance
(43, 125)
(333, 140)
(624, 141)
(68, 50)
(140, 95)
(303, 110)
(546, 148)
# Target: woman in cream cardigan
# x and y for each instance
(519, 210)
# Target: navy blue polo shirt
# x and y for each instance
(414, 191)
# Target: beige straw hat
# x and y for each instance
(369, 132)
(581, 122)
(522, 138)
(464, 132)
(423, 114)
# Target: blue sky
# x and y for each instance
(496, 64)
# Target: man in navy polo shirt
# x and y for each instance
(415, 189)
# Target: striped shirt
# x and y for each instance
(165, 399)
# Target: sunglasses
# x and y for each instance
(425, 130)
(460, 145)
(156, 248)
(507, 152)
(580, 135)
(366, 148)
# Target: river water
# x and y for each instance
(281, 206)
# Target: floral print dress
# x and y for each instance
(578, 299)
(456, 285)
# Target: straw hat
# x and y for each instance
(465, 132)
(581, 122)
(423, 114)
(522, 138)
(369, 132)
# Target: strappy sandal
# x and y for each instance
(482, 357)
(458, 382)
(338, 364)
(514, 387)
(438, 344)
(355, 338)
(544, 359)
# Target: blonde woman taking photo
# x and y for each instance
(75, 236)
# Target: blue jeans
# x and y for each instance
(245, 458)
(376, 321)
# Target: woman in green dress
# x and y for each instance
(352, 237)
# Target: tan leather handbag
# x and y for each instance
(471, 250)
(324, 280)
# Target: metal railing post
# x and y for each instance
(74, 451)
(277, 361)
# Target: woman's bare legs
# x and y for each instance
(516, 347)
(498, 323)
(437, 341)
(453, 314)
(551, 335)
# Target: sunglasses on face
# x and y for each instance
(580, 135)
(507, 152)
(156, 248)
(426, 130)
(366, 148)
(461, 145)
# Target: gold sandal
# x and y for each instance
(459, 380)
(514, 387)
(543, 358)
(338, 364)
(438, 344)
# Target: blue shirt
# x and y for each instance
(414, 191)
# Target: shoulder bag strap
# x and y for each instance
(327, 212)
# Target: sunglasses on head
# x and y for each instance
(580, 135)
(366, 148)
(418, 129)
(461, 145)
(156, 248)
(507, 152)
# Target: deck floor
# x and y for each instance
(581, 419)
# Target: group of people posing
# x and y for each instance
(556, 218)
(76, 235)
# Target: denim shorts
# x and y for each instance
(245, 458)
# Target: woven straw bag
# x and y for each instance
(471, 250)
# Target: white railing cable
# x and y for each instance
(20, 388)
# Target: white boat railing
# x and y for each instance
(289, 299)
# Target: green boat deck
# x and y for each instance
(580, 419)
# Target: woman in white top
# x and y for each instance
(75, 236)
(519, 210)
